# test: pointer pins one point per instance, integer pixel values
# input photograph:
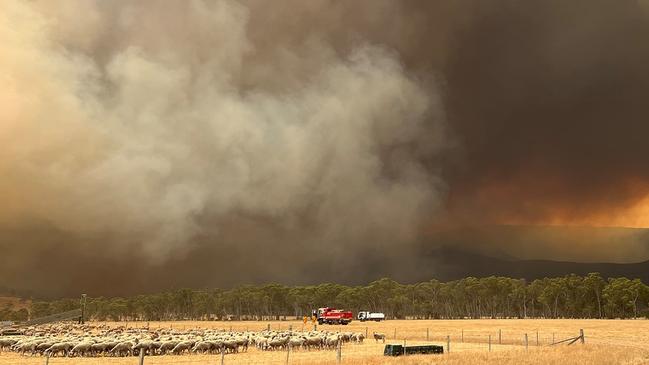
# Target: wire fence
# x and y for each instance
(495, 340)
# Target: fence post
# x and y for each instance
(268, 328)
(448, 344)
(339, 352)
(489, 343)
(427, 335)
(288, 352)
(526, 341)
(500, 342)
(581, 335)
(462, 335)
(395, 333)
(315, 327)
(290, 327)
(222, 356)
(553, 338)
(537, 338)
(365, 332)
(141, 357)
(47, 359)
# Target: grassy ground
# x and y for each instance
(14, 303)
(607, 342)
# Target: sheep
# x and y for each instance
(332, 342)
(61, 347)
(313, 342)
(122, 349)
(77, 340)
(243, 342)
(231, 346)
(6, 343)
(27, 346)
(142, 346)
(203, 347)
(167, 346)
(100, 348)
(182, 347)
(296, 343)
(40, 348)
(81, 349)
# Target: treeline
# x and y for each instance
(571, 296)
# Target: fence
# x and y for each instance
(462, 341)
(72, 314)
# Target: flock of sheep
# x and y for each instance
(87, 340)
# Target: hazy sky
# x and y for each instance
(163, 143)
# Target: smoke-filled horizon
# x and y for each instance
(157, 144)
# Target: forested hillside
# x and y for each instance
(571, 296)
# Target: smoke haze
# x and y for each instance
(160, 144)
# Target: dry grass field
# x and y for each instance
(14, 303)
(607, 342)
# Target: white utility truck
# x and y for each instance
(370, 316)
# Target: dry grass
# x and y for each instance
(14, 303)
(607, 342)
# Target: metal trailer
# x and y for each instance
(398, 350)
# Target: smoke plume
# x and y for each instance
(147, 129)
(156, 144)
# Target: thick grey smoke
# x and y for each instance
(156, 144)
(139, 127)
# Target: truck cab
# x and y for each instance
(332, 316)
(370, 316)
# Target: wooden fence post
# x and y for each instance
(537, 337)
(395, 333)
(489, 343)
(268, 329)
(288, 352)
(141, 357)
(366, 332)
(526, 341)
(581, 335)
(222, 356)
(500, 342)
(339, 356)
(448, 344)
(462, 335)
(553, 338)
(427, 335)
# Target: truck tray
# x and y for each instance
(398, 350)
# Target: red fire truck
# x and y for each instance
(332, 316)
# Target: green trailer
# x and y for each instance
(398, 350)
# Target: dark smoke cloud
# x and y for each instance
(152, 145)
(549, 99)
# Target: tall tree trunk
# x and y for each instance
(524, 305)
(599, 303)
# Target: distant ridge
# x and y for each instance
(452, 264)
